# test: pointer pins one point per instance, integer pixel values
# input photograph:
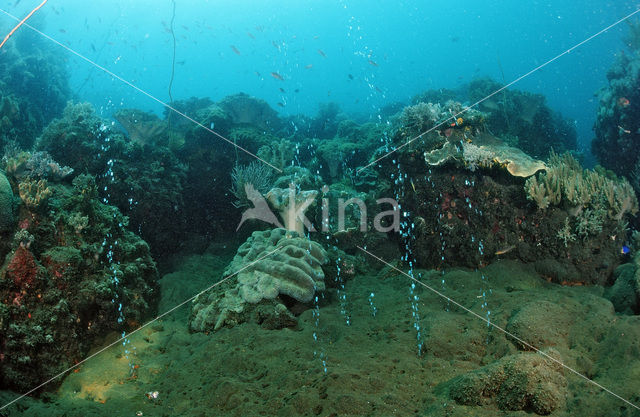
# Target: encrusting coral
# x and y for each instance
(270, 265)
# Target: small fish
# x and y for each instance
(297, 90)
(308, 66)
(623, 102)
(185, 27)
(277, 76)
(373, 63)
(258, 74)
(93, 47)
(62, 31)
(235, 49)
(321, 52)
(505, 250)
(250, 35)
(624, 250)
(275, 45)
(280, 104)
(282, 90)
(350, 77)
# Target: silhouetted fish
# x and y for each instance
(277, 76)
(235, 49)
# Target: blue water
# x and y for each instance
(360, 54)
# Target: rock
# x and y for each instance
(527, 381)
(625, 292)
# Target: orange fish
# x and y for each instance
(322, 53)
(277, 76)
(623, 102)
(235, 49)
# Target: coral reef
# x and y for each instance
(519, 118)
(6, 204)
(271, 267)
(458, 216)
(617, 127)
(524, 118)
(144, 181)
(246, 110)
(33, 90)
(74, 272)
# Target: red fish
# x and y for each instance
(623, 102)
(235, 49)
(277, 76)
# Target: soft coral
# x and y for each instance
(22, 268)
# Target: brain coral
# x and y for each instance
(6, 204)
(269, 264)
(294, 269)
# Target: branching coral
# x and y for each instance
(537, 192)
(565, 234)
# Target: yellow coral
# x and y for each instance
(33, 193)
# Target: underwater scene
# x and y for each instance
(319, 208)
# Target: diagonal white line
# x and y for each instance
(489, 323)
(137, 330)
(442, 122)
(154, 98)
